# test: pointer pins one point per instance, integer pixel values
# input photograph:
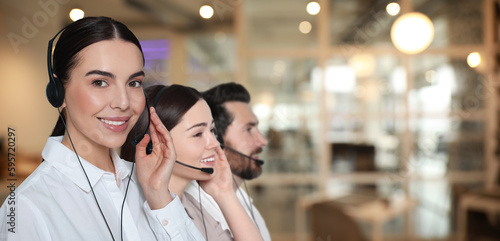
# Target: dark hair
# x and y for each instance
(77, 36)
(173, 103)
(220, 94)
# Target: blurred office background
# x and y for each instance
(367, 141)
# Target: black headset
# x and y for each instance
(55, 88)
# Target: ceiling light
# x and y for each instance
(76, 14)
(206, 11)
(474, 59)
(393, 9)
(313, 8)
(411, 33)
(305, 27)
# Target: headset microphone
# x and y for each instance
(203, 169)
(258, 161)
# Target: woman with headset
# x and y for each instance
(187, 116)
(83, 190)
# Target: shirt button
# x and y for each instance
(164, 222)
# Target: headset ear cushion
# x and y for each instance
(55, 93)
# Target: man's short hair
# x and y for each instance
(220, 94)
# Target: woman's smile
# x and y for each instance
(115, 124)
(208, 161)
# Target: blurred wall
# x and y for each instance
(25, 28)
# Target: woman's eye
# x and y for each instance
(135, 84)
(99, 83)
(197, 134)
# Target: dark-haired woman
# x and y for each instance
(83, 190)
(188, 118)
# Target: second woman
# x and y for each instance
(188, 118)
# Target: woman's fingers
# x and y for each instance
(221, 154)
(141, 146)
(162, 136)
(153, 129)
(160, 128)
(154, 171)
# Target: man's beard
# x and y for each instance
(243, 167)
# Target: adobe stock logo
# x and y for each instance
(221, 7)
(31, 26)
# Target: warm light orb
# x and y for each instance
(206, 11)
(411, 33)
(362, 64)
(313, 8)
(305, 27)
(474, 59)
(76, 14)
(393, 9)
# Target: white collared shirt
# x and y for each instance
(214, 210)
(56, 203)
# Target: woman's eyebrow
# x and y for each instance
(110, 75)
(140, 73)
(100, 72)
(197, 125)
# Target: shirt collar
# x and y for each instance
(65, 161)
(186, 201)
(122, 168)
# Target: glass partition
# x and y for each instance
(446, 86)
(363, 83)
(157, 60)
(456, 22)
(447, 121)
(279, 24)
(287, 105)
(418, 120)
(366, 22)
(211, 59)
(362, 22)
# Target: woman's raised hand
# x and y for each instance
(222, 182)
(154, 170)
(220, 187)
